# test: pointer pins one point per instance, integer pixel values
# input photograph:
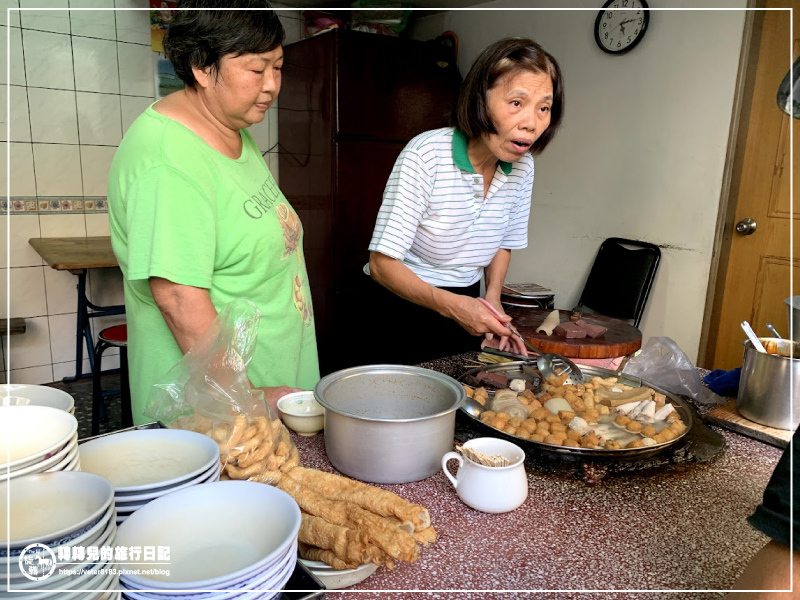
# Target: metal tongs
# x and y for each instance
(550, 365)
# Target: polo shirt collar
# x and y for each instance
(461, 158)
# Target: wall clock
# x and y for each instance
(619, 30)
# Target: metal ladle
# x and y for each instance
(774, 331)
(549, 364)
(473, 407)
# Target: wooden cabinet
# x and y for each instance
(350, 102)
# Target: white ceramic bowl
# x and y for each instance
(139, 499)
(147, 460)
(56, 462)
(71, 462)
(261, 581)
(218, 533)
(301, 412)
(33, 434)
(334, 579)
(85, 581)
(101, 533)
(37, 395)
(52, 508)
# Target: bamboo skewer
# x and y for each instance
(488, 460)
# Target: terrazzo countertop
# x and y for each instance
(679, 527)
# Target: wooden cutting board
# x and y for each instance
(728, 417)
(621, 338)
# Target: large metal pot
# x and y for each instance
(765, 388)
(389, 423)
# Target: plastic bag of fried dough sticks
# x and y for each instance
(208, 391)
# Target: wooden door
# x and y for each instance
(392, 89)
(756, 277)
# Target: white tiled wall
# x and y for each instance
(77, 80)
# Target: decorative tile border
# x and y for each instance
(27, 205)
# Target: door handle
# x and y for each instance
(746, 227)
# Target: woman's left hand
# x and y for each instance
(506, 343)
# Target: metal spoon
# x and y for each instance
(753, 337)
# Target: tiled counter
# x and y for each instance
(680, 527)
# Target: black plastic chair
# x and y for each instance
(620, 280)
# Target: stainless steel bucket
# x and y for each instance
(766, 390)
(793, 304)
(389, 423)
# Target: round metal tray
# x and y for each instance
(523, 370)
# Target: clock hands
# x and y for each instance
(623, 23)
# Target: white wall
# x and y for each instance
(78, 79)
(640, 153)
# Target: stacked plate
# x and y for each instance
(336, 579)
(22, 394)
(146, 464)
(39, 439)
(228, 536)
(50, 515)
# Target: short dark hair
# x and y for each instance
(509, 55)
(200, 38)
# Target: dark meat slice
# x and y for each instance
(570, 330)
(593, 331)
(495, 379)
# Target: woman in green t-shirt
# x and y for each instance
(197, 219)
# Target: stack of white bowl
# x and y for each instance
(39, 439)
(228, 536)
(22, 394)
(146, 464)
(58, 510)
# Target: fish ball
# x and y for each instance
(634, 427)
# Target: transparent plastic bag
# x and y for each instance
(208, 391)
(664, 364)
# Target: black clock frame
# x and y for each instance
(633, 45)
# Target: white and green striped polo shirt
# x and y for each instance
(435, 219)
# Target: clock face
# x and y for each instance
(620, 25)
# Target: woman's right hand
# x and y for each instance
(476, 318)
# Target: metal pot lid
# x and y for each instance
(408, 372)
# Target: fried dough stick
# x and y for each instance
(348, 545)
(326, 556)
(368, 497)
(426, 536)
(397, 543)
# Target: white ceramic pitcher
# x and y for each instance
(489, 489)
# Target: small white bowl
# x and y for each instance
(301, 412)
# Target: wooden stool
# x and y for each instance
(116, 336)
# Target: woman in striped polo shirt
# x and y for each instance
(457, 203)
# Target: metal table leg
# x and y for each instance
(84, 329)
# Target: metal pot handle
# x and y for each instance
(447, 458)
